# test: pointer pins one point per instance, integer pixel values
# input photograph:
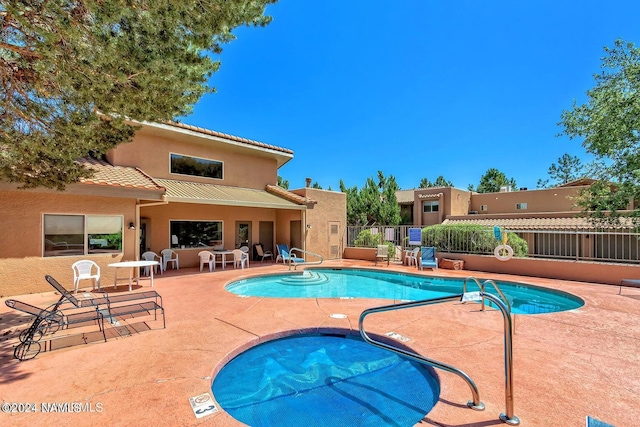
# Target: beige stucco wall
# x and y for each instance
(547, 200)
(452, 202)
(330, 209)
(242, 167)
(22, 267)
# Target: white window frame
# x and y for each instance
(431, 204)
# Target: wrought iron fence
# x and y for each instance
(600, 245)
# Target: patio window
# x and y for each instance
(195, 234)
(195, 166)
(66, 235)
(431, 206)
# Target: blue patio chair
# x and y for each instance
(428, 257)
(286, 256)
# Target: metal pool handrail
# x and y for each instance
(508, 416)
(475, 403)
(482, 287)
(296, 264)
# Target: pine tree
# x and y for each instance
(72, 71)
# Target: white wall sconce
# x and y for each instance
(132, 226)
(309, 226)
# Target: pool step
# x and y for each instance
(306, 278)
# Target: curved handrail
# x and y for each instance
(296, 264)
(508, 416)
(495, 286)
(475, 403)
(482, 288)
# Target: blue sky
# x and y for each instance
(414, 88)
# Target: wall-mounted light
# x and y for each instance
(309, 226)
(132, 226)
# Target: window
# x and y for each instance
(431, 206)
(81, 234)
(185, 165)
(484, 208)
(195, 234)
(520, 206)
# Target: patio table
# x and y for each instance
(223, 257)
(131, 265)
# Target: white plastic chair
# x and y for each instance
(152, 256)
(84, 269)
(206, 257)
(168, 256)
(245, 249)
(411, 257)
(240, 258)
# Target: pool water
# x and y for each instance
(361, 283)
(324, 380)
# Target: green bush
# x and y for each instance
(469, 238)
(367, 240)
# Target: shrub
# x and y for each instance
(367, 240)
(469, 238)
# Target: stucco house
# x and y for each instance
(174, 186)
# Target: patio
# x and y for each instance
(566, 365)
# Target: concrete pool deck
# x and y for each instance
(567, 365)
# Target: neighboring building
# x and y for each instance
(547, 219)
(174, 186)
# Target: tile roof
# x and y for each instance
(229, 137)
(117, 176)
(295, 198)
(532, 223)
(194, 192)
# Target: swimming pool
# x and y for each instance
(324, 380)
(364, 283)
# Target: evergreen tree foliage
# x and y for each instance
(283, 182)
(609, 122)
(375, 203)
(64, 61)
(492, 180)
(440, 181)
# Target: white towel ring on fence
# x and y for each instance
(503, 252)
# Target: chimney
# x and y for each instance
(308, 181)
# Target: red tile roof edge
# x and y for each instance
(284, 193)
(228, 136)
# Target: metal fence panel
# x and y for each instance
(600, 245)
